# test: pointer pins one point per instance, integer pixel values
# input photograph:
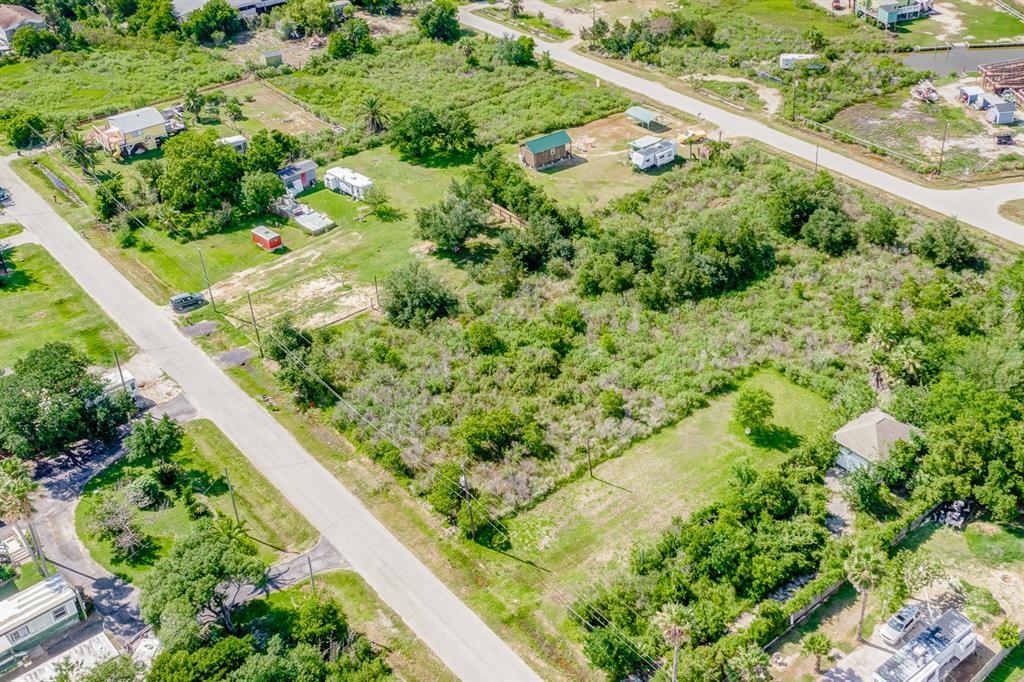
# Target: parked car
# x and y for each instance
(182, 303)
(897, 627)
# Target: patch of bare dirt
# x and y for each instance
(947, 16)
(770, 96)
(255, 278)
(273, 110)
(250, 46)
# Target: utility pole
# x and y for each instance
(942, 149)
(255, 326)
(816, 149)
(793, 104)
(464, 484)
(376, 293)
(119, 372)
(209, 289)
(312, 582)
(590, 463)
(231, 491)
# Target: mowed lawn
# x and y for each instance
(42, 303)
(407, 655)
(975, 21)
(205, 453)
(1014, 210)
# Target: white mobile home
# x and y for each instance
(789, 60)
(651, 152)
(933, 654)
(34, 615)
(236, 142)
(347, 181)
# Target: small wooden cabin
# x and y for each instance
(546, 150)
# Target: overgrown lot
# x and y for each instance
(507, 103)
(111, 75)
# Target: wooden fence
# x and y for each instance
(506, 215)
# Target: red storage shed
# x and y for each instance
(267, 238)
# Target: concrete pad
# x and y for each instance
(89, 654)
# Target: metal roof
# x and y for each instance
(549, 141)
(33, 602)
(922, 651)
(140, 119)
(645, 116)
(645, 141)
(265, 232)
(349, 176)
(297, 168)
(12, 16)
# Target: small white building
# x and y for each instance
(789, 60)
(933, 653)
(968, 94)
(236, 142)
(651, 152)
(120, 381)
(1000, 113)
(867, 439)
(347, 181)
(35, 614)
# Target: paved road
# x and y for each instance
(977, 207)
(461, 640)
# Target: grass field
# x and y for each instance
(974, 21)
(205, 453)
(9, 230)
(528, 23)
(1014, 210)
(110, 77)
(42, 303)
(1011, 669)
(405, 653)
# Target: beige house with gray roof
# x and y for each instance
(867, 439)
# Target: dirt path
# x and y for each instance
(770, 96)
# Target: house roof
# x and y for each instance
(297, 168)
(140, 119)
(350, 177)
(549, 141)
(645, 116)
(971, 90)
(873, 433)
(12, 16)
(232, 139)
(272, 53)
(265, 232)
(34, 601)
(645, 141)
(921, 652)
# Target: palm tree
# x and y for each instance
(864, 569)
(748, 664)
(194, 102)
(58, 129)
(374, 114)
(231, 530)
(16, 488)
(818, 645)
(673, 621)
(78, 151)
(515, 8)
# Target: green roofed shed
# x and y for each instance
(545, 150)
(644, 117)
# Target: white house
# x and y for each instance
(651, 152)
(118, 381)
(933, 653)
(13, 17)
(867, 439)
(347, 181)
(35, 614)
(789, 60)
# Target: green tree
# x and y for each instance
(321, 622)
(374, 115)
(16, 489)
(269, 151)
(154, 18)
(212, 17)
(29, 42)
(829, 229)
(609, 650)
(515, 8)
(753, 409)
(1007, 634)
(51, 401)
(612, 404)
(314, 17)
(882, 226)
(258, 191)
(120, 669)
(815, 39)
(673, 622)
(414, 131)
(23, 129)
(412, 295)
(816, 644)
(202, 572)
(451, 222)
(483, 338)
(217, 661)
(514, 51)
(704, 32)
(352, 38)
(153, 439)
(748, 664)
(438, 20)
(865, 569)
(864, 489)
(946, 244)
(109, 198)
(199, 174)
(78, 151)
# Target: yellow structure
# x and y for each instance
(133, 132)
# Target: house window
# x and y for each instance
(18, 634)
(59, 612)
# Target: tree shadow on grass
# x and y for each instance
(442, 160)
(15, 280)
(774, 437)
(390, 214)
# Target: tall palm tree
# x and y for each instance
(865, 567)
(673, 621)
(193, 102)
(515, 8)
(16, 488)
(375, 115)
(57, 129)
(818, 645)
(748, 664)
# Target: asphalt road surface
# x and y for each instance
(977, 206)
(456, 634)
